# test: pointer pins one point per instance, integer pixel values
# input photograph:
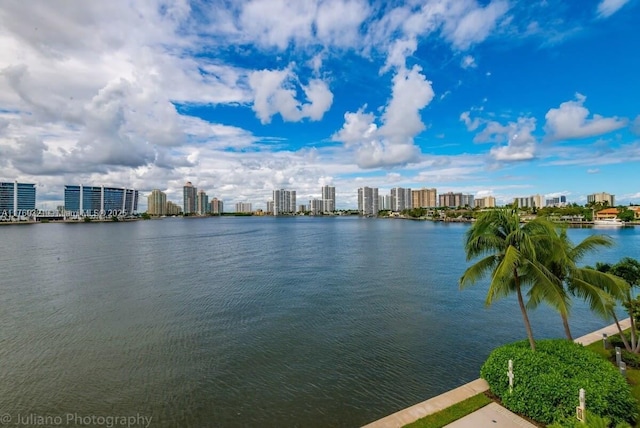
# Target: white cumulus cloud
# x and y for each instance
(275, 93)
(571, 120)
(392, 143)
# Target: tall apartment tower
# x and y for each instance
(368, 201)
(16, 197)
(400, 199)
(602, 197)
(328, 198)
(157, 203)
(284, 202)
(486, 202)
(424, 198)
(450, 199)
(190, 195)
(217, 207)
(202, 203)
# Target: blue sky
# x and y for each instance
(501, 98)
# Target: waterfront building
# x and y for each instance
(243, 207)
(486, 202)
(284, 202)
(17, 197)
(100, 200)
(467, 201)
(384, 202)
(450, 200)
(424, 198)
(157, 203)
(534, 201)
(601, 198)
(400, 199)
(270, 207)
(560, 201)
(189, 196)
(316, 206)
(217, 207)
(202, 203)
(368, 201)
(173, 208)
(302, 208)
(328, 198)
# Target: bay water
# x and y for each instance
(249, 321)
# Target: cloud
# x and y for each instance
(520, 143)
(475, 24)
(593, 171)
(468, 62)
(571, 121)
(391, 143)
(606, 8)
(274, 93)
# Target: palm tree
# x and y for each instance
(628, 270)
(598, 289)
(510, 255)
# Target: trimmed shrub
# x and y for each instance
(547, 381)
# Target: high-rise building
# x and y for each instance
(157, 203)
(316, 206)
(202, 203)
(450, 199)
(535, 201)
(173, 208)
(368, 201)
(400, 199)
(467, 201)
(559, 201)
(100, 201)
(17, 197)
(602, 198)
(284, 202)
(243, 207)
(217, 207)
(328, 198)
(189, 195)
(424, 198)
(486, 202)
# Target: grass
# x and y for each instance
(633, 375)
(453, 413)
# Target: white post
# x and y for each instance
(510, 375)
(580, 410)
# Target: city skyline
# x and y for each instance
(483, 98)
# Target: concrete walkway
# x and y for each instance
(489, 416)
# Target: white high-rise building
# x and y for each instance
(328, 198)
(400, 199)
(243, 207)
(284, 202)
(368, 201)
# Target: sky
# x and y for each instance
(504, 98)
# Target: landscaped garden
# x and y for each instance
(538, 263)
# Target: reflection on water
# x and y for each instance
(248, 321)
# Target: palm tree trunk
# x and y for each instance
(633, 324)
(565, 323)
(622, 336)
(525, 317)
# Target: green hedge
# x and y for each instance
(547, 381)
